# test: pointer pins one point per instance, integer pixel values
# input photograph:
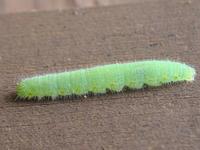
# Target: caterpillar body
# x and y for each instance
(112, 77)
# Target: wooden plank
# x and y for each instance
(159, 118)
(10, 6)
(2, 6)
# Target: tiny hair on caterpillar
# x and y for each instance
(99, 79)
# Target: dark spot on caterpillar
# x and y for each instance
(30, 94)
(165, 78)
(113, 85)
(176, 77)
(62, 92)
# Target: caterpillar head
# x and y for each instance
(190, 75)
(186, 73)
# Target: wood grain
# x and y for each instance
(13, 6)
(149, 119)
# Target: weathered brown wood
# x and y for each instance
(160, 118)
(10, 6)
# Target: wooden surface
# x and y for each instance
(150, 119)
(13, 6)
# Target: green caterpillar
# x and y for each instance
(113, 77)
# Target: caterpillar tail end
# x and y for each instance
(19, 91)
(21, 94)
